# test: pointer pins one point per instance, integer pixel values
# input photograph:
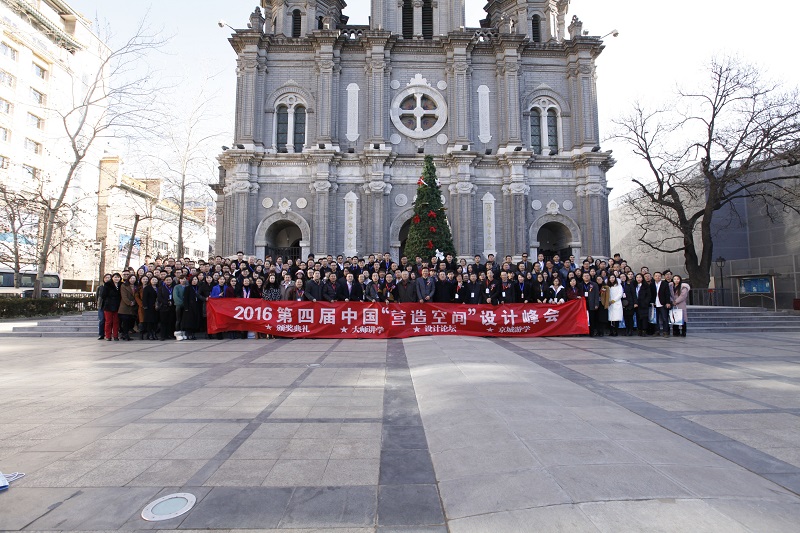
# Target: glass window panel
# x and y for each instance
(536, 131)
(283, 127)
(299, 128)
(552, 129)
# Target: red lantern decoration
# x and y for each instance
(417, 219)
(430, 245)
(433, 229)
(432, 214)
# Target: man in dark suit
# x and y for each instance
(490, 289)
(591, 293)
(473, 292)
(350, 290)
(507, 295)
(426, 287)
(329, 288)
(444, 289)
(527, 265)
(314, 288)
(662, 299)
(406, 290)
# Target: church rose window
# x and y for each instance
(419, 111)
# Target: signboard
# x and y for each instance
(760, 285)
(363, 320)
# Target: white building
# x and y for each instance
(48, 52)
(121, 198)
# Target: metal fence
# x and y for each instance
(711, 297)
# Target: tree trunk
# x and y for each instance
(132, 240)
(180, 217)
(50, 220)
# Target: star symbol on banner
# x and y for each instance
(268, 326)
(416, 330)
(344, 330)
(490, 330)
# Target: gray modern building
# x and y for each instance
(333, 122)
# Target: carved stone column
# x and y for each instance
(460, 108)
(418, 18)
(489, 229)
(258, 118)
(377, 86)
(512, 92)
(324, 41)
(460, 213)
(516, 191)
(247, 92)
(322, 242)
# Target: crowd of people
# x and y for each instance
(166, 298)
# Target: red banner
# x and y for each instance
(363, 320)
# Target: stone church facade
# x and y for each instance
(333, 122)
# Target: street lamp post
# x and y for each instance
(721, 265)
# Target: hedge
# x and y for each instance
(35, 307)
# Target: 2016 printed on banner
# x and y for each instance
(347, 320)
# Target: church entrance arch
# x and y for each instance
(286, 235)
(398, 233)
(553, 234)
(554, 238)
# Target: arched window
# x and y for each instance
(320, 24)
(408, 19)
(536, 131)
(299, 128)
(282, 128)
(297, 23)
(427, 19)
(552, 129)
(536, 29)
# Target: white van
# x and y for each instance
(51, 284)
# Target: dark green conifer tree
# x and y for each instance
(429, 229)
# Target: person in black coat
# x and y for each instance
(192, 309)
(523, 288)
(314, 288)
(628, 303)
(661, 298)
(591, 293)
(460, 290)
(557, 294)
(490, 289)
(406, 290)
(166, 309)
(149, 301)
(473, 289)
(329, 288)
(112, 298)
(350, 290)
(641, 299)
(507, 294)
(445, 290)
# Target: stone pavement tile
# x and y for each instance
(661, 516)
(351, 472)
(411, 529)
(554, 519)
(747, 421)
(197, 448)
(254, 448)
(150, 449)
(308, 449)
(760, 438)
(28, 504)
(673, 452)
(241, 473)
(790, 455)
(491, 434)
(580, 452)
(135, 431)
(627, 431)
(586, 483)
(168, 472)
(559, 428)
(365, 430)
(61, 473)
(318, 430)
(220, 430)
(236, 508)
(93, 509)
(296, 473)
(409, 505)
(349, 448)
(399, 467)
(404, 438)
(463, 462)
(766, 516)
(732, 482)
(102, 449)
(474, 495)
(331, 507)
(178, 430)
(276, 430)
(114, 473)
(30, 462)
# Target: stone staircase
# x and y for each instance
(83, 325)
(741, 320)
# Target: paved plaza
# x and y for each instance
(430, 434)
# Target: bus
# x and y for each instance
(51, 284)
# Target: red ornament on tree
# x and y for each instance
(430, 245)
(417, 219)
(432, 214)
(433, 229)
(421, 181)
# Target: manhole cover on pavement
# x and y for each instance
(169, 507)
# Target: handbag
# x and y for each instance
(653, 317)
(624, 302)
(676, 317)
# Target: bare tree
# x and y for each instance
(187, 164)
(118, 97)
(18, 231)
(736, 139)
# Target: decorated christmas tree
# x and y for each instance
(429, 234)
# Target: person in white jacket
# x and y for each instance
(615, 294)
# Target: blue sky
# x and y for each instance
(662, 45)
